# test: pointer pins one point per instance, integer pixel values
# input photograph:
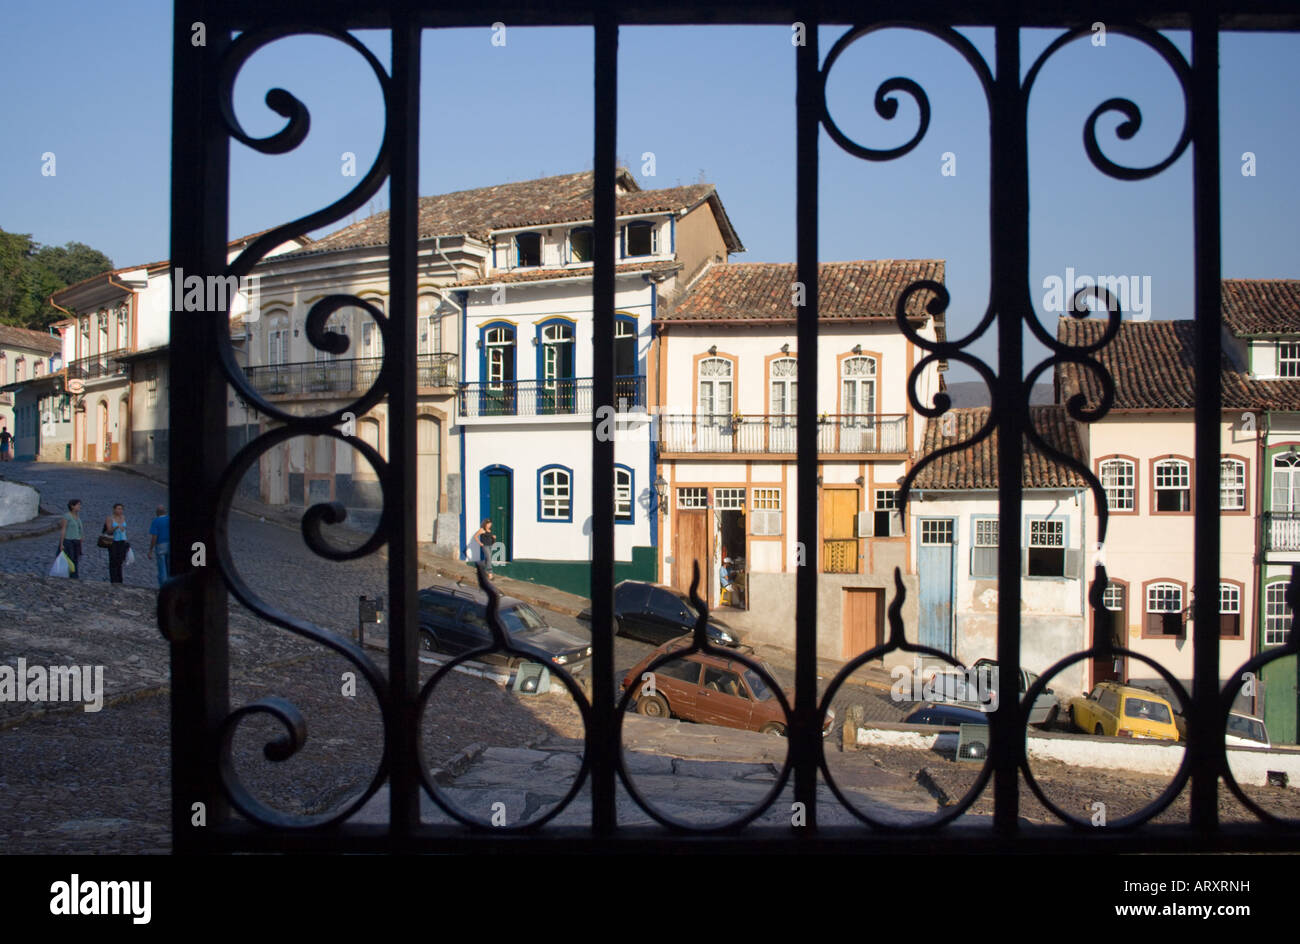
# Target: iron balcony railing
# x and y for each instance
(571, 397)
(757, 435)
(344, 375)
(1282, 530)
(97, 365)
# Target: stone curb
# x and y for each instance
(448, 772)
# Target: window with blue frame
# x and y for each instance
(640, 238)
(623, 494)
(497, 393)
(555, 493)
(528, 249)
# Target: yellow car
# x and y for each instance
(1116, 710)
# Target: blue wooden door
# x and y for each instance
(934, 570)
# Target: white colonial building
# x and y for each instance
(955, 524)
(726, 392)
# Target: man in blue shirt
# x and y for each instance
(160, 541)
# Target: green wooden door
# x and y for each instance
(500, 511)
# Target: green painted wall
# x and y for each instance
(575, 576)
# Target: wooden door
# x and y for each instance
(839, 535)
(861, 621)
(79, 436)
(427, 476)
(691, 544)
(934, 559)
(501, 512)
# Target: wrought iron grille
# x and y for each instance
(193, 606)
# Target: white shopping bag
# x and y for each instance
(129, 559)
(62, 566)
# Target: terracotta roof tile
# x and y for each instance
(1253, 307)
(977, 466)
(761, 291)
(11, 336)
(542, 275)
(1152, 365)
(566, 198)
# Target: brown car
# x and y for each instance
(709, 689)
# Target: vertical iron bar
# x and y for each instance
(1009, 241)
(1208, 347)
(197, 450)
(602, 447)
(403, 667)
(805, 742)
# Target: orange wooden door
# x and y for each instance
(691, 544)
(861, 621)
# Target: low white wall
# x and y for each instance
(1249, 765)
(18, 503)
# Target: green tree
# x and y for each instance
(30, 273)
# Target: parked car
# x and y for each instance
(1117, 710)
(1244, 730)
(710, 690)
(453, 620)
(655, 614)
(1046, 706)
(945, 714)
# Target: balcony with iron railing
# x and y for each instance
(98, 366)
(563, 397)
(344, 375)
(1282, 531)
(746, 434)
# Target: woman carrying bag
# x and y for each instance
(70, 535)
(118, 548)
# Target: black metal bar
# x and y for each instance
(602, 734)
(806, 734)
(1009, 242)
(1208, 349)
(197, 456)
(403, 665)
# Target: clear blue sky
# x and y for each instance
(90, 82)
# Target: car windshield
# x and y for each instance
(1247, 728)
(520, 618)
(1146, 710)
(758, 686)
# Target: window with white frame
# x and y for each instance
(1164, 609)
(555, 495)
(715, 389)
(338, 324)
(580, 244)
(428, 326)
(1277, 615)
(277, 339)
(102, 325)
(1229, 609)
(622, 493)
(625, 359)
(1232, 485)
(857, 388)
(1288, 360)
(1118, 478)
(886, 520)
(123, 323)
(1173, 481)
(1112, 598)
(729, 499)
(1045, 552)
(984, 548)
(765, 519)
(1286, 482)
(84, 349)
(784, 403)
(692, 498)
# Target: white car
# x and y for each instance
(1246, 731)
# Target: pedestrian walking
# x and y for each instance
(160, 541)
(115, 525)
(482, 542)
(70, 535)
(6, 441)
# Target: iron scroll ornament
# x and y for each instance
(700, 643)
(502, 644)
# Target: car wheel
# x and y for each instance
(428, 641)
(1051, 717)
(1069, 714)
(1099, 732)
(653, 706)
(618, 626)
(773, 727)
